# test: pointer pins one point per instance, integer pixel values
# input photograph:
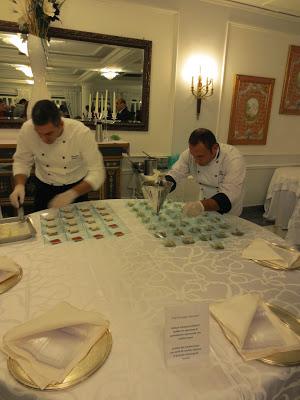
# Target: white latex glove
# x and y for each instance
(17, 196)
(193, 208)
(63, 199)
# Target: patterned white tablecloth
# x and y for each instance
(130, 280)
(282, 202)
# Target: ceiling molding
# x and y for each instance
(249, 6)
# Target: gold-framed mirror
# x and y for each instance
(76, 62)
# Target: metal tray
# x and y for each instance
(12, 281)
(94, 359)
(8, 223)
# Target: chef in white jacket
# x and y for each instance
(67, 161)
(218, 168)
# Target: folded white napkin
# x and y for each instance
(252, 327)
(261, 250)
(48, 347)
(8, 268)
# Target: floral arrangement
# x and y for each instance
(35, 16)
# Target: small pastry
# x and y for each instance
(51, 231)
(217, 245)
(69, 215)
(93, 227)
(224, 225)
(178, 232)
(72, 222)
(237, 232)
(119, 233)
(99, 236)
(169, 243)
(49, 217)
(114, 226)
(55, 241)
(188, 240)
(90, 221)
(77, 238)
(101, 207)
(221, 234)
(51, 224)
(73, 229)
(86, 214)
(108, 218)
(84, 208)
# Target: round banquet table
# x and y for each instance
(282, 203)
(131, 279)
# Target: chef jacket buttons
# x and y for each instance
(217, 161)
(47, 165)
(65, 167)
(63, 157)
(64, 141)
(43, 154)
(216, 176)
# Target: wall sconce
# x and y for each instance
(203, 89)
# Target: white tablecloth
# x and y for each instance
(130, 280)
(283, 200)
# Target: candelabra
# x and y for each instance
(201, 91)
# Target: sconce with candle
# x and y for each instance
(204, 88)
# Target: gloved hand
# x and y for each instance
(63, 199)
(154, 178)
(18, 195)
(193, 208)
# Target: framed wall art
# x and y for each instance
(290, 99)
(250, 110)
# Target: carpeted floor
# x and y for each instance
(255, 215)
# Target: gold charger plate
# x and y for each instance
(12, 281)
(94, 359)
(288, 358)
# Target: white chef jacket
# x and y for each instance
(74, 155)
(224, 174)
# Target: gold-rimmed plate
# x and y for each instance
(287, 358)
(94, 359)
(12, 281)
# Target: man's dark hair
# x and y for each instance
(202, 135)
(45, 111)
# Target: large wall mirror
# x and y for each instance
(77, 66)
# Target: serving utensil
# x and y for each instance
(21, 214)
(156, 193)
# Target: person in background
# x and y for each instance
(123, 114)
(4, 111)
(218, 168)
(64, 110)
(20, 109)
(67, 162)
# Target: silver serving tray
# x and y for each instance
(15, 238)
